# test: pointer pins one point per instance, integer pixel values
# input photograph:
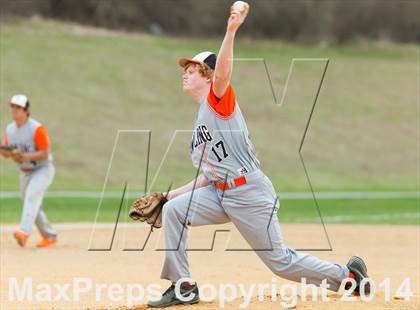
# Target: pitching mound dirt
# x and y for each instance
(68, 276)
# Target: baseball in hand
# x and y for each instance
(239, 6)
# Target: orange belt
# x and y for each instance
(226, 185)
(26, 170)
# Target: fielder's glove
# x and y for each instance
(6, 150)
(149, 209)
(14, 153)
(17, 156)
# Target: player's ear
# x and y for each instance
(210, 77)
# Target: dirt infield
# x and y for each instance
(390, 252)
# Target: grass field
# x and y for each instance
(351, 211)
(86, 84)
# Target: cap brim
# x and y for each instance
(17, 104)
(185, 61)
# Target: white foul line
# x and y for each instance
(282, 195)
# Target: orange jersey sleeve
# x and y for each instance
(5, 140)
(224, 106)
(42, 141)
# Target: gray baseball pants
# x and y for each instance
(253, 210)
(33, 186)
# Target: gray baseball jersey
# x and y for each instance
(28, 138)
(221, 133)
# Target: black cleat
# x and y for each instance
(169, 298)
(357, 267)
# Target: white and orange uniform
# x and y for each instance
(35, 177)
(240, 192)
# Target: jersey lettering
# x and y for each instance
(201, 135)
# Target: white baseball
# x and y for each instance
(239, 6)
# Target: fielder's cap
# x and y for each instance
(207, 58)
(20, 100)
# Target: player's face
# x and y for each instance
(192, 80)
(18, 113)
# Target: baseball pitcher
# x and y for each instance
(26, 142)
(230, 186)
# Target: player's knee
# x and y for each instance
(174, 210)
(32, 197)
(279, 260)
(169, 209)
(284, 263)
